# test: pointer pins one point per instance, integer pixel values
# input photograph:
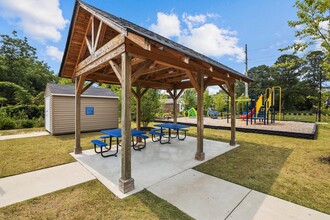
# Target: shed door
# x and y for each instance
(47, 113)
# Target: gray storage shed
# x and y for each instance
(99, 109)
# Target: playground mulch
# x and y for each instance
(282, 128)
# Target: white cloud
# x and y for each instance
(213, 89)
(168, 25)
(40, 19)
(211, 40)
(200, 35)
(54, 53)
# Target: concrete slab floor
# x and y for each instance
(25, 186)
(153, 164)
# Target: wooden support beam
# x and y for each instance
(77, 148)
(175, 116)
(141, 41)
(200, 155)
(116, 68)
(81, 84)
(93, 34)
(179, 94)
(98, 35)
(101, 57)
(84, 42)
(87, 86)
(207, 81)
(231, 90)
(170, 93)
(193, 81)
(138, 107)
(144, 91)
(89, 46)
(126, 182)
(135, 93)
(224, 89)
(164, 58)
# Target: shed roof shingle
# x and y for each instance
(70, 90)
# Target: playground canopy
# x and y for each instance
(106, 49)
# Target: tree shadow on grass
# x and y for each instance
(255, 166)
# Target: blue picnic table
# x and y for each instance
(172, 126)
(117, 133)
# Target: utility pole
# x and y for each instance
(246, 72)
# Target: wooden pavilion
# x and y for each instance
(102, 48)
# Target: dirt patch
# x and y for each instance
(325, 160)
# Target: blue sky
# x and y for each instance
(219, 29)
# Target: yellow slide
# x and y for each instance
(258, 104)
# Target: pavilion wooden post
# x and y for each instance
(200, 155)
(174, 95)
(79, 82)
(126, 182)
(231, 90)
(175, 116)
(138, 107)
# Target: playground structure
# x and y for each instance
(263, 107)
(191, 113)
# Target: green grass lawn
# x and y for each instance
(92, 200)
(284, 167)
(287, 168)
(27, 154)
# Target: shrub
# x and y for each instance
(24, 111)
(7, 123)
(26, 123)
(40, 122)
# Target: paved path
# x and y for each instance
(25, 135)
(205, 197)
(25, 186)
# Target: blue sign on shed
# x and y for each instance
(89, 110)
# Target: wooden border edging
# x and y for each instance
(311, 136)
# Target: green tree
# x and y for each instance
(14, 94)
(287, 72)
(220, 101)
(312, 26)
(262, 77)
(150, 106)
(314, 77)
(208, 100)
(189, 99)
(19, 64)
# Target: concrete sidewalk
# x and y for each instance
(25, 135)
(205, 197)
(25, 186)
